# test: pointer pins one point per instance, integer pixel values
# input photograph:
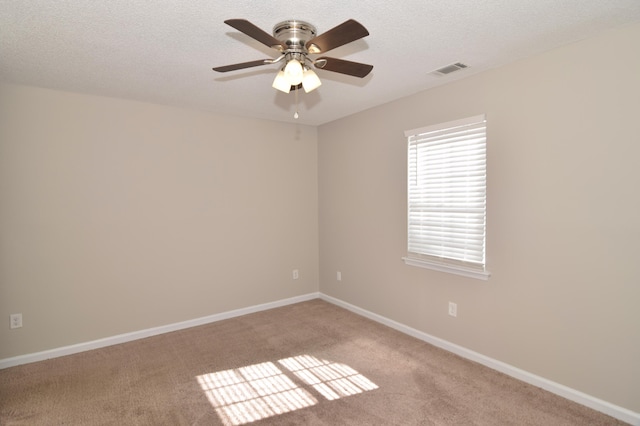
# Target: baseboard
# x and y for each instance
(141, 334)
(605, 407)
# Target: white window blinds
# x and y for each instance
(447, 193)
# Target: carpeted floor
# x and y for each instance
(311, 363)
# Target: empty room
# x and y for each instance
(224, 213)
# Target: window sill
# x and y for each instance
(452, 269)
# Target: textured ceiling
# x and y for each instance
(162, 51)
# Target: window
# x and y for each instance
(447, 197)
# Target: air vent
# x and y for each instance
(449, 69)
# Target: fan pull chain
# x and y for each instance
(296, 114)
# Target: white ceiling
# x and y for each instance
(162, 51)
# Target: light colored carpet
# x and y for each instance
(311, 363)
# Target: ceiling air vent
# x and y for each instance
(449, 69)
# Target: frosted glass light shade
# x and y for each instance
(281, 83)
(293, 72)
(310, 81)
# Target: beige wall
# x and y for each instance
(563, 216)
(118, 216)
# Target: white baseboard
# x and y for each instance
(605, 407)
(128, 337)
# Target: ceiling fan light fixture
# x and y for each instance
(310, 80)
(293, 72)
(295, 40)
(281, 83)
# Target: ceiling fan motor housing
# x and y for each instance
(294, 34)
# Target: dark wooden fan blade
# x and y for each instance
(256, 33)
(342, 66)
(242, 65)
(344, 33)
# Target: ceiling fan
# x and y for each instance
(296, 40)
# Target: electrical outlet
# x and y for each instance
(296, 274)
(338, 276)
(453, 309)
(16, 320)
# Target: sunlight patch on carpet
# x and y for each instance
(331, 379)
(247, 394)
